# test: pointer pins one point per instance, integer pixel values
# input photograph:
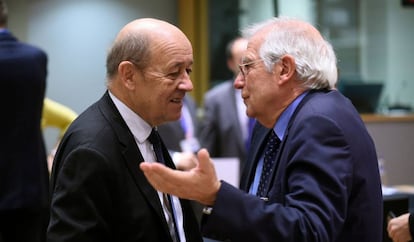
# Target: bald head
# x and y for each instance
(154, 28)
(149, 68)
(137, 39)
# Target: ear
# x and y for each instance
(288, 68)
(126, 72)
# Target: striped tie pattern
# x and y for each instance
(155, 140)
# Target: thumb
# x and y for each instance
(203, 157)
(205, 164)
(207, 177)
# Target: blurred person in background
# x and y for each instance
(225, 127)
(24, 179)
(181, 139)
(181, 136)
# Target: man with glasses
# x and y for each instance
(312, 171)
(245, 67)
(225, 127)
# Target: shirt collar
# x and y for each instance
(282, 122)
(139, 128)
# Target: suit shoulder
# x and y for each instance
(29, 48)
(330, 102)
(331, 106)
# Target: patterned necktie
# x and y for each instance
(271, 149)
(155, 140)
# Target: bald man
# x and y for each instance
(98, 191)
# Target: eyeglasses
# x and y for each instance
(245, 67)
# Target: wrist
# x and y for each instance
(211, 199)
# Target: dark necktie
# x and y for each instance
(155, 140)
(272, 146)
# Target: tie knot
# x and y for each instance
(273, 138)
(153, 138)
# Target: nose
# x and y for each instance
(239, 81)
(186, 84)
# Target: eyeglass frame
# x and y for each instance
(243, 66)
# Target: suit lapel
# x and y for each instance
(131, 154)
(167, 158)
(282, 145)
(189, 219)
(258, 138)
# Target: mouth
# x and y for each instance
(177, 100)
(245, 100)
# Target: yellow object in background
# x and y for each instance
(57, 115)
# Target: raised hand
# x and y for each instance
(199, 183)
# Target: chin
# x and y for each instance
(174, 117)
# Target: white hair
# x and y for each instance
(316, 63)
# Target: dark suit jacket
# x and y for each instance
(23, 168)
(326, 184)
(99, 192)
(220, 131)
(172, 132)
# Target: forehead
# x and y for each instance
(252, 52)
(239, 45)
(253, 46)
(172, 51)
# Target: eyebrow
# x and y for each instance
(246, 59)
(179, 64)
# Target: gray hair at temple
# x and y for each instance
(3, 13)
(316, 63)
(133, 47)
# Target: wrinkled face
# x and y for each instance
(260, 88)
(161, 86)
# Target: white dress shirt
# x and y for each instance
(141, 130)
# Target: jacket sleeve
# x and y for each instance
(81, 199)
(308, 198)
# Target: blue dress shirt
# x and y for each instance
(279, 128)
